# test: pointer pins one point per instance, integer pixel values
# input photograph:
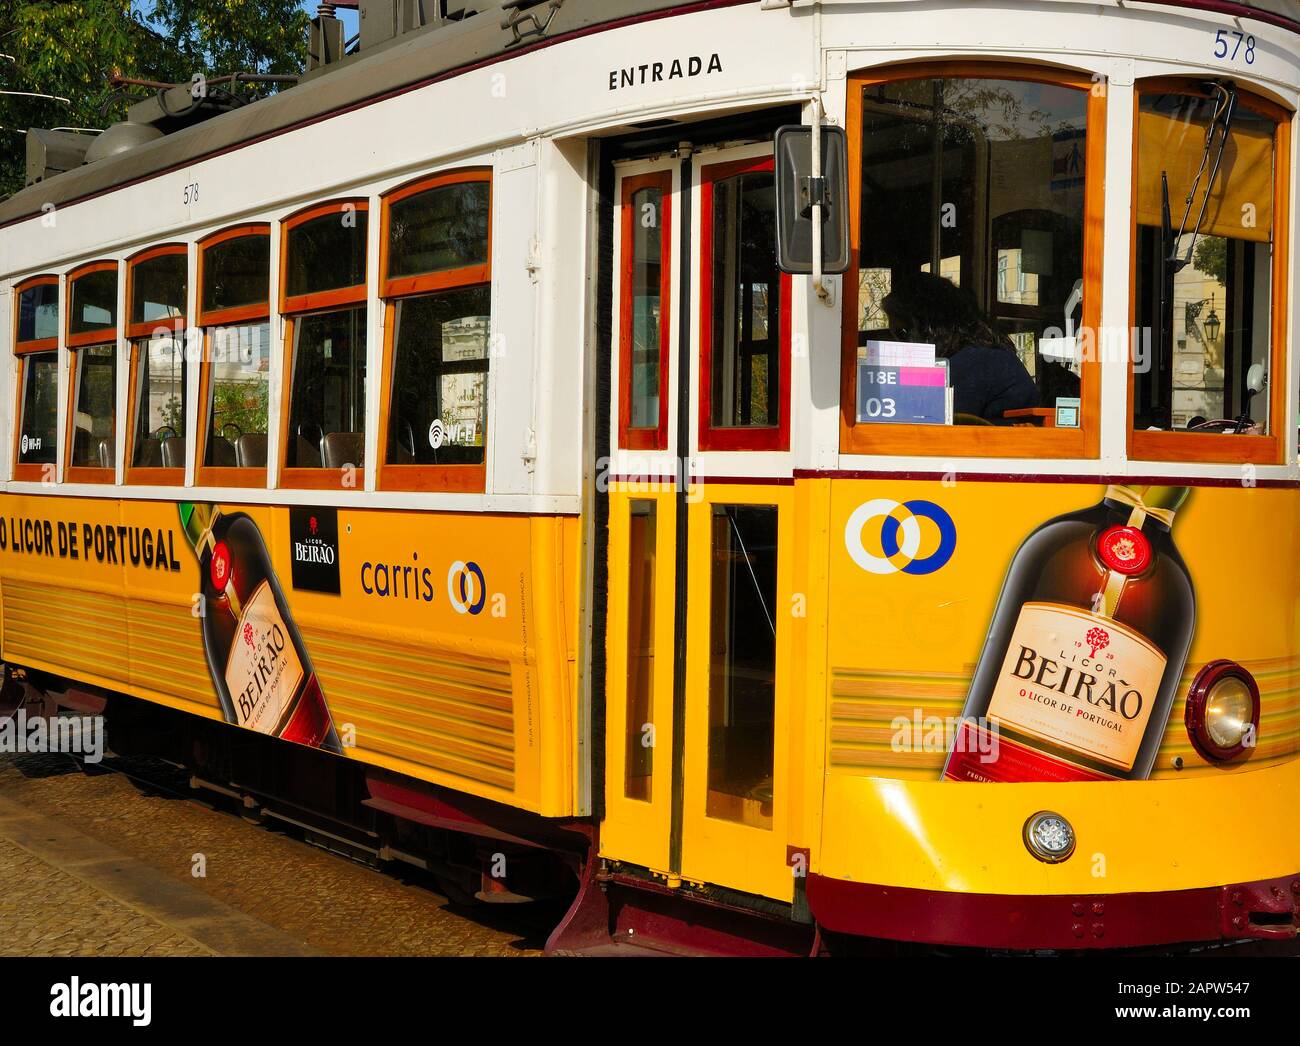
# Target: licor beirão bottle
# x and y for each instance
(259, 664)
(1085, 650)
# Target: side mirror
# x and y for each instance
(796, 193)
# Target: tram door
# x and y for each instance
(696, 712)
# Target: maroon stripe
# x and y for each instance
(653, 16)
(1033, 477)
(1234, 10)
(1064, 921)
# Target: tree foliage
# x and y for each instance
(231, 36)
(73, 49)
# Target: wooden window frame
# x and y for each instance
(471, 479)
(236, 314)
(968, 441)
(87, 473)
(99, 335)
(757, 438)
(145, 328)
(318, 301)
(644, 438)
(291, 309)
(1200, 447)
(29, 471)
(33, 344)
(138, 335)
(208, 321)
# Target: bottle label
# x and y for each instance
(1083, 682)
(978, 757)
(263, 670)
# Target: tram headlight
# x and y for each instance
(1223, 711)
(1049, 837)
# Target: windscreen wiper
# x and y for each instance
(1216, 143)
(1172, 260)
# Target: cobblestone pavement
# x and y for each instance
(92, 864)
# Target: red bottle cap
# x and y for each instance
(220, 568)
(1124, 550)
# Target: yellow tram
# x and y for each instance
(781, 550)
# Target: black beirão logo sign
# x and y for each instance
(314, 548)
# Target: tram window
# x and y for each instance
(238, 396)
(439, 230)
(971, 303)
(440, 373)
(158, 288)
(742, 664)
(94, 397)
(646, 224)
(437, 282)
(642, 528)
(92, 301)
(745, 355)
(1205, 283)
(234, 304)
(327, 252)
(236, 272)
(38, 312)
(325, 416)
(39, 423)
(158, 440)
(327, 401)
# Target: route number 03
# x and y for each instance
(1229, 45)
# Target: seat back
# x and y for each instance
(221, 453)
(250, 451)
(148, 453)
(173, 452)
(341, 449)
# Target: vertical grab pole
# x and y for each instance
(819, 285)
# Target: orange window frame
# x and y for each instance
(101, 334)
(29, 471)
(292, 307)
(86, 473)
(644, 437)
(33, 344)
(425, 478)
(239, 315)
(979, 440)
(138, 335)
(1144, 445)
(766, 437)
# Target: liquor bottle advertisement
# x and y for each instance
(1086, 648)
(259, 664)
(986, 631)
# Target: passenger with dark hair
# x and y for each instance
(986, 375)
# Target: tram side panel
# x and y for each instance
(439, 641)
(915, 573)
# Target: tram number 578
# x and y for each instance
(190, 194)
(1231, 44)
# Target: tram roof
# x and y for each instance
(408, 61)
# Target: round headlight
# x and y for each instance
(1223, 711)
(1049, 837)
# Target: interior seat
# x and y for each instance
(342, 449)
(250, 451)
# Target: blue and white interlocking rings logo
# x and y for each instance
(467, 596)
(900, 536)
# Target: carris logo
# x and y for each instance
(466, 587)
(899, 537)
